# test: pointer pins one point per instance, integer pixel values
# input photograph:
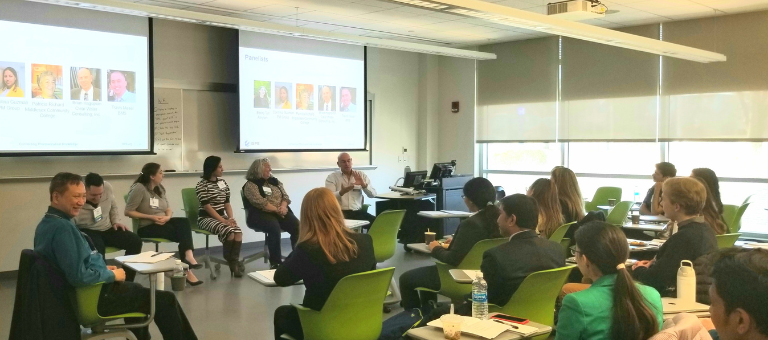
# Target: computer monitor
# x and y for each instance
(442, 170)
(414, 178)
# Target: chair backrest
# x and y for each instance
(87, 301)
(134, 222)
(726, 240)
(500, 193)
(384, 233)
(618, 215)
(191, 206)
(353, 310)
(535, 298)
(474, 258)
(557, 236)
(729, 213)
(602, 195)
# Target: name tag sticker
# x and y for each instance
(97, 214)
(268, 190)
(154, 203)
(221, 184)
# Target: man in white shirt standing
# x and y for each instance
(348, 185)
(86, 92)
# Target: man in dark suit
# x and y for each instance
(86, 92)
(327, 98)
(506, 266)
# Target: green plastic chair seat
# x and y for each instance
(557, 236)
(156, 240)
(601, 197)
(535, 298)
(726, 240)
(618, 214)
(87, 300)
(384, 234)
(732, 216)
(109, 250)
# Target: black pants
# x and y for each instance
(127, 297)
(176, 229)
(122, 239)
(287, 322)
(424, 277)
(272, 225)
(361, 215)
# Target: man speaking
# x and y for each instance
(348, 185)
(86, 92)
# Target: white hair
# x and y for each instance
(256, 170)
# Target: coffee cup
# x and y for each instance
(612, 202)
(452, 326)
(178, 283)
(429, 236)
(635, 219)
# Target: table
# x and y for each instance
(654, 218)
(419, 247)
(434, 333)
(411, 229)
(441, 214)
(649, 246)
(356, 224)
(392, 195)
(656, 228)
(674, 306)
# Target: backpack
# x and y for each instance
(395, 327)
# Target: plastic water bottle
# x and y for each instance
(637, 194)
(686, 282)
(178, 269)
(479, 297)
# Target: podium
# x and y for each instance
(448, 197)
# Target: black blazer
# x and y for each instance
(692, 240)
(506, 266)
(308, 262)
(469, 232)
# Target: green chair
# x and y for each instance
(384, 235)
(726, 240)
(155, 240)
(536, 296)
(557, 236)
(457, 291)
(618, 215)
(732, 216)
(601, 197)
(565, 243)
(191, 208)
(86, 301)
(109, 250)
(352, 311)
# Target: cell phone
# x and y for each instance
(509, 318)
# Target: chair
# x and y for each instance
(457, 291)
(565, 243)
(732, 216)
(601, 197)
(557, 236)
(726, 240)
(155, 240)
(500, 193)
(265, 251)
(352, 311)
(191, 208)
(536, 296)
(384, 235)
(618, 215)
(87, 300)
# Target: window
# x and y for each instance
(514, 184)
(727, 159)
(614, 157)
(523, 156)
(629, 187)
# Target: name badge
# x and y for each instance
(154, 203)
(97, 214)
(358, 187)
(268, 190)
(222, 185)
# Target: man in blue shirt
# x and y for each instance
(58, 240)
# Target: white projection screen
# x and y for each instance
(300, 95)
(73, 83)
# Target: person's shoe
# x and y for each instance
(193, 266)
(196, 283)
(234, 269)
(274, 265)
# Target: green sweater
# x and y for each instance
(587, 314)
(59, 241)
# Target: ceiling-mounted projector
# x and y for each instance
(576, 10)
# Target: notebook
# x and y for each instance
(488, 329)
(267, 277)
(148, 257)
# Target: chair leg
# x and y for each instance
(395, 297)
(207, 259)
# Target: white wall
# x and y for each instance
(456, 140)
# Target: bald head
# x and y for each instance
(84, 79)
(344, 161)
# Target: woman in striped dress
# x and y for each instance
(215, 215)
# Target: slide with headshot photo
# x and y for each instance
(85, 84)
(347, 99)
(326, 98)
(14, 79)
(261, 94)
(305, 97)
(283, 95)
(122, 86)
(47, 82)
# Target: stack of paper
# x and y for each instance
(485, 328)
(149, 257)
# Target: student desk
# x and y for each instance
(434, 333)
(356, 224)
(151, 269)
(411, 230)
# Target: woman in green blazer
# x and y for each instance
(614, 307)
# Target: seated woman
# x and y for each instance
(568, 194)
(550, 217)
(614, 307)
(652, 202)
(215, 214)
(479, 196)
(713, 211)
(147, 202)
(268, 211)
(327, 251)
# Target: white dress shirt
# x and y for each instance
(89, 92)
(326, 106)
(352, 200)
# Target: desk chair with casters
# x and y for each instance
(87, 300)
(155, 240)
(384, 235)
(601, 197)
(536, 296)
(457, 291)
(726, 240)
(191, 208)
(618, 215)
(352, 311)
(265, 252)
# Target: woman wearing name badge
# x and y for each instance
(148, 203)
(215, 214)
(268, 211)
(614, 306)
(47, 83)
(10, 85)
(262, 99)
(543, 190)
(327, 252)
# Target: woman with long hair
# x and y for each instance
(215, 214)
(147, 202)
(479, 197)
(710, 180)
(713, 218)
(327, 251)
(543, 190)
(284, 100)
(9, 86)
(568, 194)
(614, 307)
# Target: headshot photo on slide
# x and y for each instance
(47, 81)
(347, 99)
(85, 84)
(12, 84)
(326, 98)
(283, 95)
(262, 91)
(122, 86)
(304, 96)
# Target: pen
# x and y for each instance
(506, 323)
(153, 255)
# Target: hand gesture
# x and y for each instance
(358, 179)
(119, 275)
(111, 267)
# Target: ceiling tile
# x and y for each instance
(279, 10)
(377, 3)
(349, 8)
(163, 4)
(208, 11)
(387, 15)
(519, 4)
(253, 16)
(448, 26)
(235, 5)
(418, 20)
(183, 1)
(322, 27)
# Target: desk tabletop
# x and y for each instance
(435, 333)
(400, 196)
(149, 268)
(443, 214)
(419, 247)
(673, 306)
(644, 227)
(356, 224)
(654, 218)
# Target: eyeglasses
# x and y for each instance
(574, 250)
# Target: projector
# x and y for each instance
(576, 10)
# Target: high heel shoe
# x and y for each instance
(234, 269)
(193, 266)
(196, 283)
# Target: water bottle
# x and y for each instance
(178, 269)
(637, 194)
(479, 297)
(178, 280)
(686, 282)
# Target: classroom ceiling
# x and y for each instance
(396, 21)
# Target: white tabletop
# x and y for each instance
(644, 227)
(643, 245)
(149, 268)
(443, 214)
(434, 333)
(673, 306)
(400, 196)
(356, 224)
(419, 247)
(461, 275)
(654, 218)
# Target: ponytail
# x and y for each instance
(482, 194)
(148, 170)
(490, 214)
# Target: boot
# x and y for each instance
(228, 245)
(235, 258)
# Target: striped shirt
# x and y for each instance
(214, 193)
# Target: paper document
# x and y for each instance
(758, 245)
(432, 213)
(149, 257)
(455, 212)
(471, 273)
(486, 328)
(268, 274)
